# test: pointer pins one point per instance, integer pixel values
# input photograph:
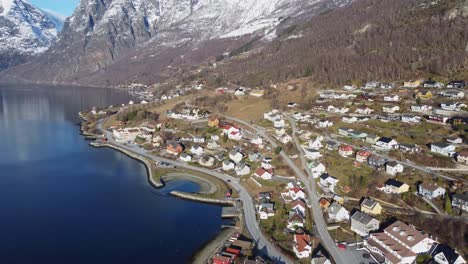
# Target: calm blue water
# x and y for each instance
(62, 201)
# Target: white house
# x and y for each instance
(256, 140)
(235, 135)
(299, 205)
(362, 223)
(279, 122)
(296, 193)
(349, 119)
(242, 169)
(430, 190)
(390, 108)
(197, 150)
(443, 149)
(206, 161)
(302, 246)
(185, 157)
(385, 143)
(443, 254)
(391, 98)
(264, 174)
(266, 210)
(312, 154)
(280, 131)
(328, 181)
(235, 156)
(266, 163)
(285, 138)
(228, 165)
(316, 143)
(317, 169)
(411, 119)
(421, 108)
(337, 213)
(364, 110)
(393, 168)
(323, 123)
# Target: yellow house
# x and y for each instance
(213, 121)
(424, 95)
(257, 93)
(413, 84)
(370, 206)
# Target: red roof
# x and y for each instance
(233, 250)
(346, 148)
(298, 202)
(296, 189)
(301, 242)
(217, 259)
(363, 153)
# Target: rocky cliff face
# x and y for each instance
(104, 36)
(24, 31)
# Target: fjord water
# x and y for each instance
(62, 201)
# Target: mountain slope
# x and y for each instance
(24, 31)
(367, 40)
(103, 38)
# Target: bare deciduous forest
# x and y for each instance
(368, 40)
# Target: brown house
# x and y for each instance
(174, 148)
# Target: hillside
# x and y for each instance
(367, 40)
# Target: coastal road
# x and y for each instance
(263, 244)
(340, 256)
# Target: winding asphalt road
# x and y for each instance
(263, 244)
(340, 256)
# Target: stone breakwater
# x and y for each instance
(197, 198)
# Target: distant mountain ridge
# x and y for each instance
(101, 40)
(25, 31)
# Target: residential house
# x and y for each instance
(316, 143)
(320, 258)
(278, 123)
(391, 98)
(411, 119)
(409, 148)
(199, 139)
(302, 246)
(332, 145)
(264, 174)
(285, 138)
(299, 205)
(242, 169)
(266, 163)
(256, 140)
(280, 131)
(312, 154)
(462, 156)
(219, 259)
(349, 119)
(212, 145)
(390, 108)
(376, 161)
(385, 143)
(228, 165)
(456, 84)
(371, 85)
(254, 156)
(443, 149)
(344, 131)
(372, 139)
(430, 190)
(328, 181)
(453, 94)
(185, 157)
(364, 110)
(455, 140)
(235, 135)
(452, 106)
(421, 108)
(266, 210)
(425, 95)
(324, 203)
(363, 224)
(174, 148)
(437, 119)
(369, 206)
(395, 186)
(197, 150)
(235, 156)
(393, 168)
(398, 243)
(323, 123)
(264, 197)
(295, 193)
(213, 121)
(443, 254)
(358, 134)
(206, 161)
(272, 115)
(345, 150)
(317, 168)
(295, 220)
(433, 84)
(362, 156)
(337, 213)
(460, 201)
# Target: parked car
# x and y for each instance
(342, 246)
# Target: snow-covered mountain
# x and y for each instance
(25, 30)
(107, 35)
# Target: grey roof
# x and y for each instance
(369, 203)
(460, 196)
(335, 208)
(440, 144)
(362, 217)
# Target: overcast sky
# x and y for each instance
(64, 8)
